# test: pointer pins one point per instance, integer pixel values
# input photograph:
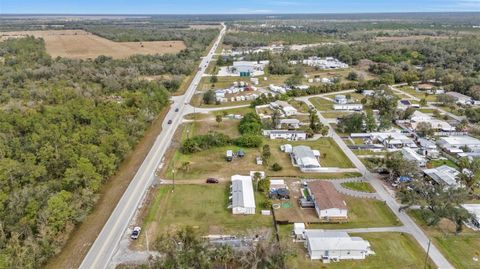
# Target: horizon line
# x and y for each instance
(250, 14)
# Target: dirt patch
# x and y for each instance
(80, 44)
(85, 234)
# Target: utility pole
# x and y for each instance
(426, 256)
(173, 172)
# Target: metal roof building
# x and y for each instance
(443, 175)
(242, 196)
(304, 157)
(329, 245)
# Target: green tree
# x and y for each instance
(209, 97)
(218, 119)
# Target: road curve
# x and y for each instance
(107, 241)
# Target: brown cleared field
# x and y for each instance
(80, 44)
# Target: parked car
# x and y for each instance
(176, 109)
(135, 232)
(169, 122)
(212, 180)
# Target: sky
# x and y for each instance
(231, 6)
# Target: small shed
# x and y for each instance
(298, 229)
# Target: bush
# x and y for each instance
(204, 142)
(249, 141)
(276, 167)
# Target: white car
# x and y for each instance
(135, 232)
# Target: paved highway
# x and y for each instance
(410, 226)
(102, 250)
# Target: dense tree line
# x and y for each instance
(65, 126)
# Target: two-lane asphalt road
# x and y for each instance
(409, 225)
(102, 250)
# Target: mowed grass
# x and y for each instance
(321, 104)
(359, 186)
(458, 249)
(392, 251)
(364, 213)
(204, 207)
(212, 163)
(419, 95)
(437, 163)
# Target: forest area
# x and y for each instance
(65, 126)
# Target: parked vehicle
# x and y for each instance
(176, 109)
(212, 180)
(229, 155)
(135, 232)
(169, 122)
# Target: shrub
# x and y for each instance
(276, 167)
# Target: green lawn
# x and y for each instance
(321, 104)
(203, 207)
(458, 249)
(420, 95)
(364, 213)
(334, 114)
(359, 186)
(437, 163)
(392, 251)
(331, 154)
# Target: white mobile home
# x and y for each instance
(242, 196)
(285, 134)
(335, 246)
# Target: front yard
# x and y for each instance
(392, 251)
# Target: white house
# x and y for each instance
(291, 135)
(393, 140)
(242, 196)
(304, 158)
(285, 107)
(411, 155)
(340, 99)
(418, 117)
(335, 246)
(473, 209)
(456, 143)
(289, 123)
(329, 204)
(444, 175)
(428, 148)
(356, 107)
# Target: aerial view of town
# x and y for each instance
(264, 134)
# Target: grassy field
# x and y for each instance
(331, 154)
(364, 213)
(80, 44)
(334, 114)
(420, 95)
(211, 163)
(321, 104)
(203, 207)
(392, 251)
(359, 186)
(458, 249)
